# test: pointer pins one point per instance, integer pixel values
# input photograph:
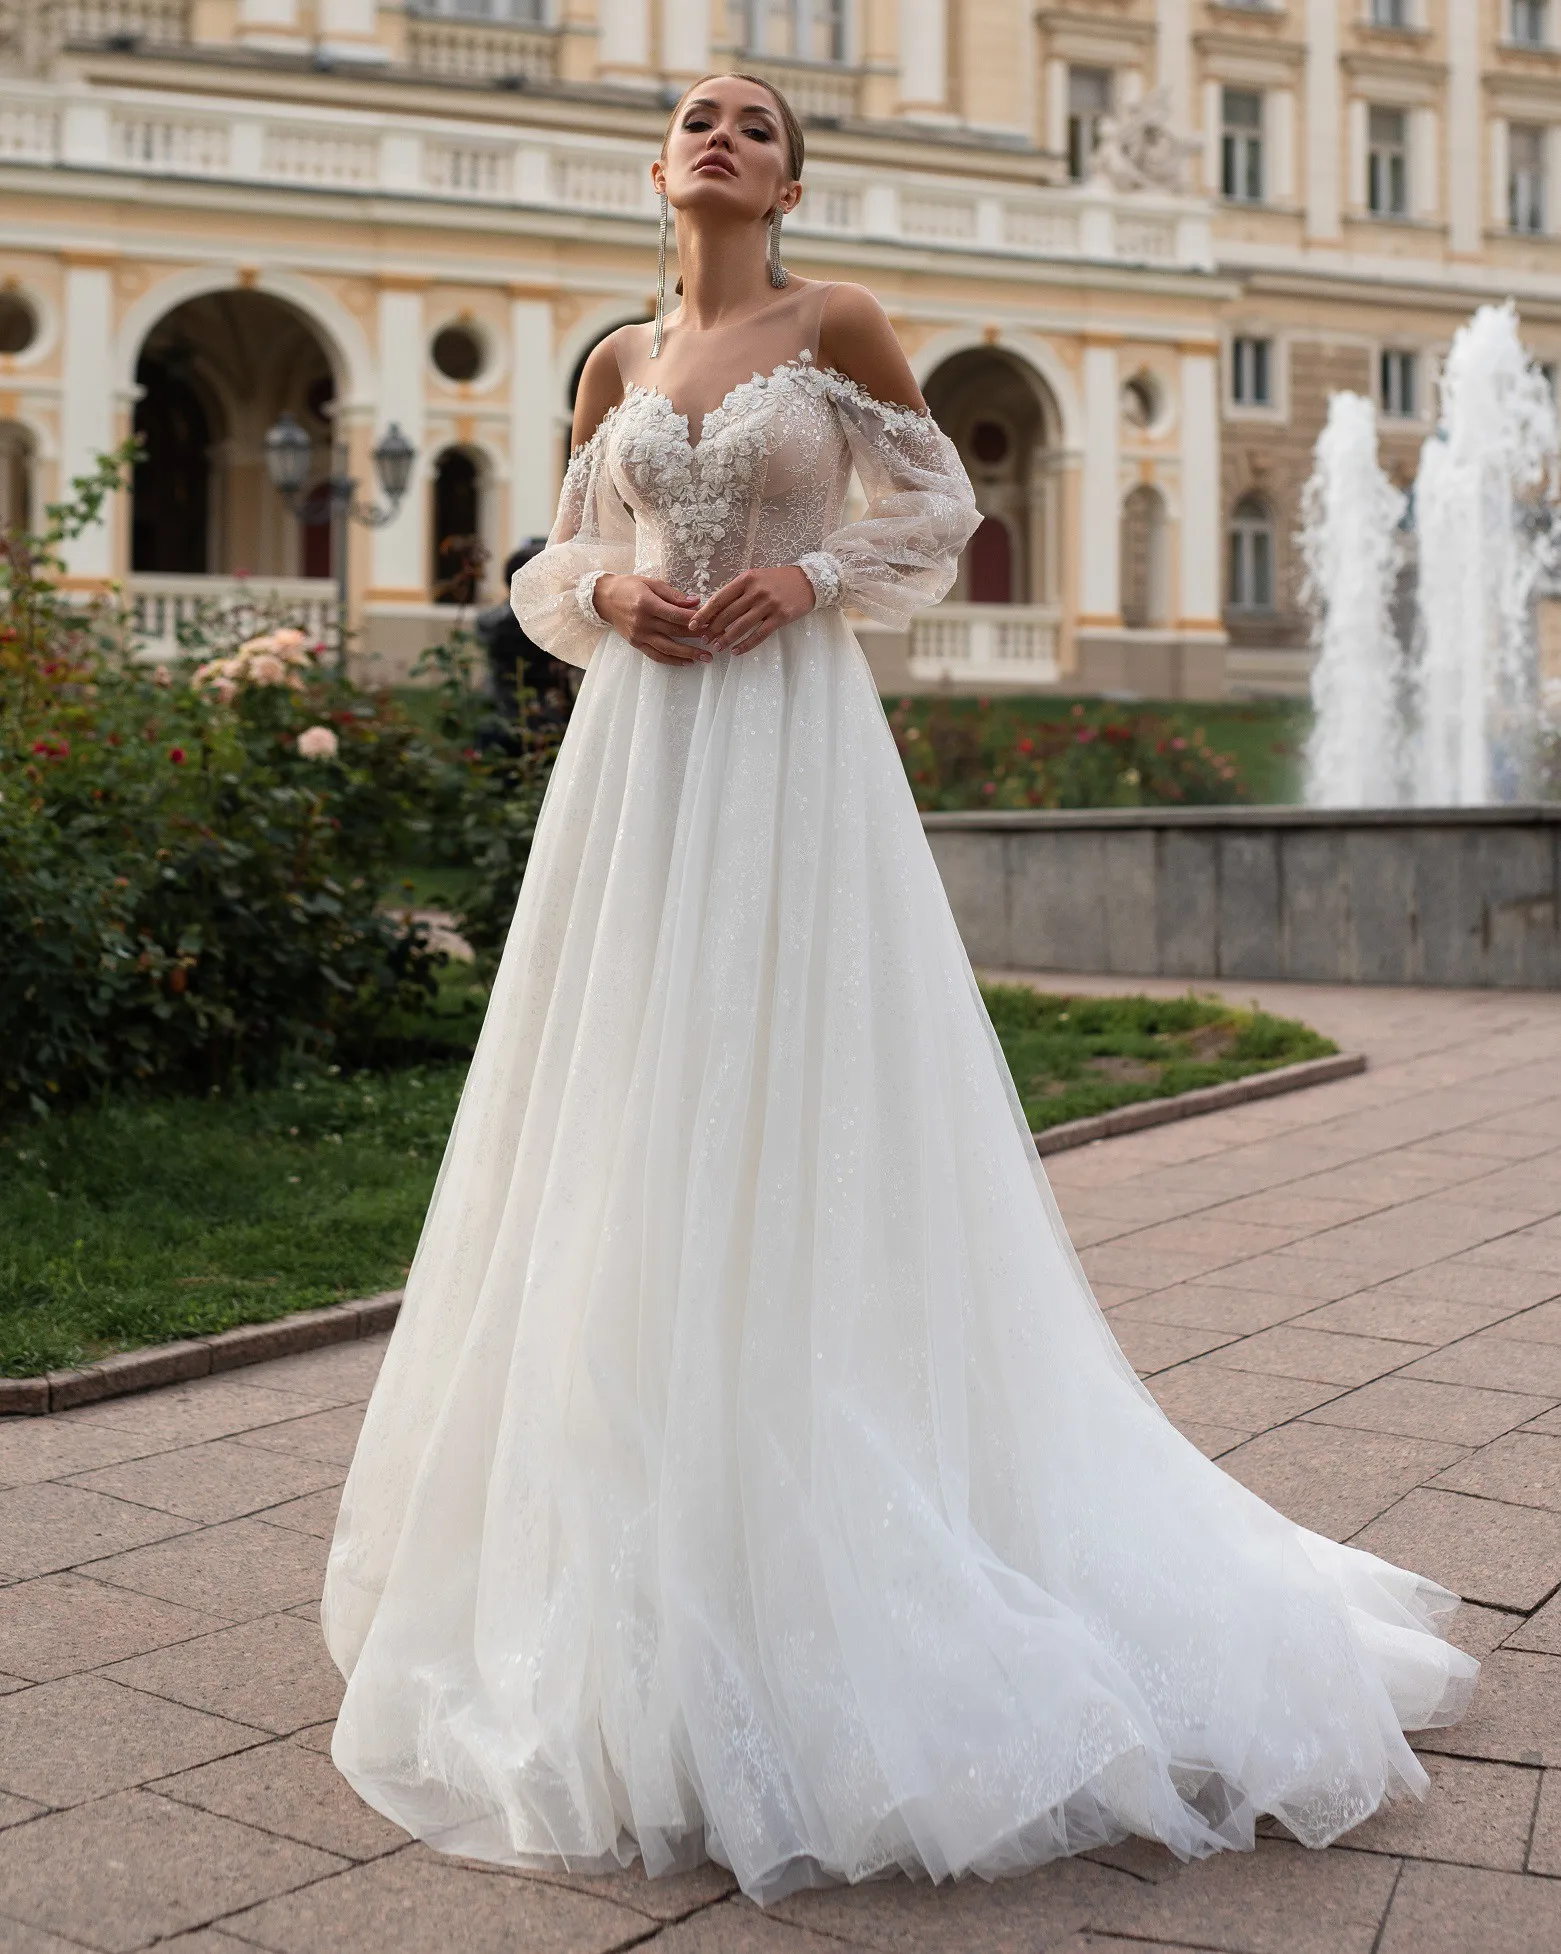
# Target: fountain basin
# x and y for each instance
(1460, 896)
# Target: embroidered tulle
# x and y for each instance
(751, 1472)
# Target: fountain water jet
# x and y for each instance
(1353, 548)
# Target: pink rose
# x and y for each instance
(317, 743)
(267, 670)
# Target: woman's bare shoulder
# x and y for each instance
(601, 384)
(856, 339)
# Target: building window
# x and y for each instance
(1145, 584)
(1398, 384)
(1252, 555)
(521, 13)
(1089, 103)
(1390, 13)
(1251, 372)
(804, 30)
(1531, 22)
(1526, 178)
(457, 529)
(1387, 162)
(1241, 145)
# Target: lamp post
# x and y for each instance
(289, 452)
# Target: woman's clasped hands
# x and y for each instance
(677, 630)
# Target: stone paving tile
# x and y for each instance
(16, 1811)
(65, 1742)
(1530, 1248)
(1213, 1441)
(315, 1513)
(1405, 1319)
(1541, 1324)
(1464, 1910)
(1496, 1361)
(220, 1480)
(272, 1673)
(1479, 1630)
(329, 1436)
(135, 1868)
(1508, 1290)
(238, 1570)
(1209, 1391)
(735, 1927)
(1523, 1468)
(18, 1938)
(1544, 1855)
(1291, 1350)
(1483, 1549)
(1203, 1306)
(1540, 1633)
(1210, 1236)
(1280, 1899)
(45, 1527)
(340, 1373)
(1332, 1479)
(1475, 1814)
(1515, 1716)
(902, 1916)
(47, 1448)
(1139, 1267)
(1151, 1347)
(1415, 1408)
(208, 1407)
(63, 1623)
(409, 1902)
(672, 1897)
(292, 1790)
(205, 1940)
(1284, 1273)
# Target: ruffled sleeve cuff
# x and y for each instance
(585, 598)
(823, 572)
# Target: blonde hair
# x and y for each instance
(796, 146)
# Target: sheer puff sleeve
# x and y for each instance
(553, 595)
(921, 511)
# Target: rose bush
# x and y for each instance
(195, 861)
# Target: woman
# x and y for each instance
(751, 1473)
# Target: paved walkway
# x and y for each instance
(1352, 1296)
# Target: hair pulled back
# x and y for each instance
(796, 145)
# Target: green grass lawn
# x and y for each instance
(138, 1221)
(1075, 1056)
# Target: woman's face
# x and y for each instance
(727, 152)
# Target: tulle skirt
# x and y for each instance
(751, 1474)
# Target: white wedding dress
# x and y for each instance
(751, 1473)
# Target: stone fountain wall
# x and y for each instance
(1463, 896)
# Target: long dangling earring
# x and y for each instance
(661, 283)
(778, 272)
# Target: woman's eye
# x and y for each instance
(759, 134)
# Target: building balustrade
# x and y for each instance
(996, 644)
(144, 131)
(160, 607)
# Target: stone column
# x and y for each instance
(87, 399)
(1464, 202)
(924, 56)
(1323, 188)
(623, 42)
(1200, 498)
(1100, 595)
(400, 563)
(350, 29)
(533, 437)
(1173, 65)
(685, 38)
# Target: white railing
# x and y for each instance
(162, 22)
(161, 607)
(481, 161)
(481, 50)
(812, 88)
(997, 644)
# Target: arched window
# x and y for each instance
(1145, 597)
(457, 538)
(172, 481)
(16, 454)
(1252, 580)
(991, 563)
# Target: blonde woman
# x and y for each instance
(751, 1474)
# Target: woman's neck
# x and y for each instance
(725, 276)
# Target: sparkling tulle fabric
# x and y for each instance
(751, 1473)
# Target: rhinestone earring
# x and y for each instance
(661, 283)
(778, 272)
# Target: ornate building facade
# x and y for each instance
(1130, 248)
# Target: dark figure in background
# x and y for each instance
(516, 662)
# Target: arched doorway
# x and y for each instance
(1005, 424)
(1144, 568)
(457, 527)
(214, 373)
(16, 477)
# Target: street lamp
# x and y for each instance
(289, 452)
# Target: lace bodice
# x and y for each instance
(763, 483)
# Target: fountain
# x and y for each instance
(1452, 719)
(1353, 547)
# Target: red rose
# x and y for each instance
(176, 754)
